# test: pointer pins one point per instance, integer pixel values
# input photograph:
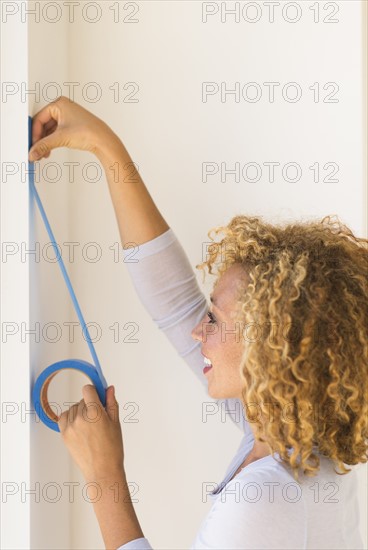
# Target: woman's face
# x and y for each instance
(222, 337)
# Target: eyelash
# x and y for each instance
(212, 318)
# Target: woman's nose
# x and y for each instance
(197, 331)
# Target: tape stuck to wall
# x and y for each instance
(93, 372)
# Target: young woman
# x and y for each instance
(283, 349)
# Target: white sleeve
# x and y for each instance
(136, 544)
(168, 289)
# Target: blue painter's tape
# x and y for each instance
(93, 372)
(39, 393)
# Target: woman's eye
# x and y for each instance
(211, 317)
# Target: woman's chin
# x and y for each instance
(215, 394)
(211, 392)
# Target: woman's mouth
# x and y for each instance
(207, 365)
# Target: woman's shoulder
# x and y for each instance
(273, 473)
(271, 469)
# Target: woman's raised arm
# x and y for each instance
(160, 269)
(64, 123)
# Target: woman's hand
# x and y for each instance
(64, 123)
(93, 435)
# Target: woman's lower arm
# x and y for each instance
(114, 511)
(138, 217)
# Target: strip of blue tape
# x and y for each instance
(93, 372)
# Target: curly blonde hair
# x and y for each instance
(311, 279)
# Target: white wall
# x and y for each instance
(14, 301)
(50, 305)
(170, 132)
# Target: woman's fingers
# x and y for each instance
(64, 123)
(44, 124)
(50, 127)
(68, 417)
(47, 117)
(44, 146)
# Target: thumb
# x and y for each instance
(43, 147)
(112, 406)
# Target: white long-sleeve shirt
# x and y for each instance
(263, 507)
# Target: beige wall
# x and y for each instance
(50, 304)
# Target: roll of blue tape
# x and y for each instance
(93, 372)
(40, 399)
